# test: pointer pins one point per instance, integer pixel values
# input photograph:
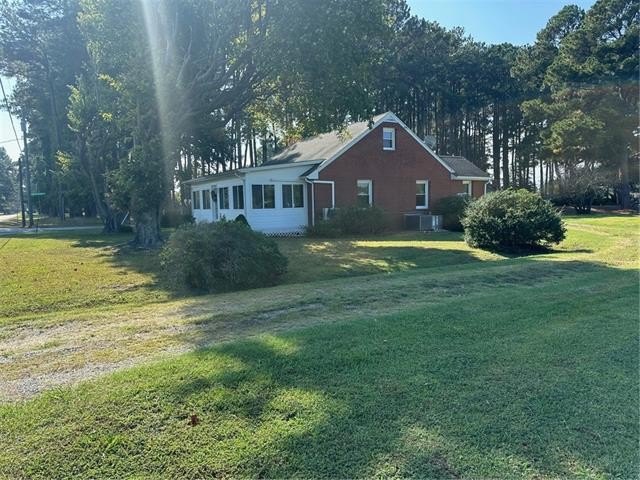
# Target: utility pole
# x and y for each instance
(21, 187)
(23, 124)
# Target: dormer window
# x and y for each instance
(388, 138)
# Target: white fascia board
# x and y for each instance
(425, 146)
(279, 165)
(387, 117)
(478, 179)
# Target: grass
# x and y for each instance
(62, 271)
(440, 362)
(14, 220)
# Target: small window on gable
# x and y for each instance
(422, 194)
(196, 200)
(388, 138)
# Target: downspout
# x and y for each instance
(333, 190)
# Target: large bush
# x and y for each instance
(512, 219)
(351, 221)
(452, 210)
(221, 256)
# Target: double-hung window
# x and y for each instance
(206, 200)
(388, 138)
(196, 200)
(238, 197)
(263, 196)
(223, 198)
(466, 187)
(422, 194)
(365, 194)
(292, 196)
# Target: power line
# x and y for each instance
(15, 133)
(9, 141)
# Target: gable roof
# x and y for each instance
(323, 146)
(321, 150)
(463, 167)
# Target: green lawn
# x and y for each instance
(400, 356)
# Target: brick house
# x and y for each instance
(381, 163)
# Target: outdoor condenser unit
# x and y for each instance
(422, 222)
(328, 213)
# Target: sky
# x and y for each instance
(489, 21)
(494, 21)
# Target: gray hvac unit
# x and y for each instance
(422, 222)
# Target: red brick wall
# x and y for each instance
(393, 175)
(477, 189)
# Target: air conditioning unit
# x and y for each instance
(328, 213)
(422, 222)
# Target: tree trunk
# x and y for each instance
(624, 191)
(496, 148)
(147, 228)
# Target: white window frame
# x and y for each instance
(369, 186)
(196, 200)
(293, 196)
(206, 199)
(426, 194)
(221, 197)
(468, 188)
(237, 189)
(262, 189)
(392, 131)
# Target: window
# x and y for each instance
(238, 197)
(223, 198)
(466, 187)
(292, 196)
(196, 200)
(388, 138)
(365, 198)
(263, 196)
(206, 200)
(422, 194)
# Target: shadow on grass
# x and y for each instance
(524, 369)
(542, 385)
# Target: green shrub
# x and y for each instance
(351, 221)
(175, 216)
(452, 210)
(242, 219)
(323, 229)
(512, 219)
(221, 256)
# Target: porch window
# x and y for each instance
(263, 196)
(422, 194)
(238, 197)
(466, 187)
(292, 196)
(206, 200)
(196, 200)
(388, 138)
(223, 198)
(365, 196)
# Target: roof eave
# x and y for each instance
(467, 177)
